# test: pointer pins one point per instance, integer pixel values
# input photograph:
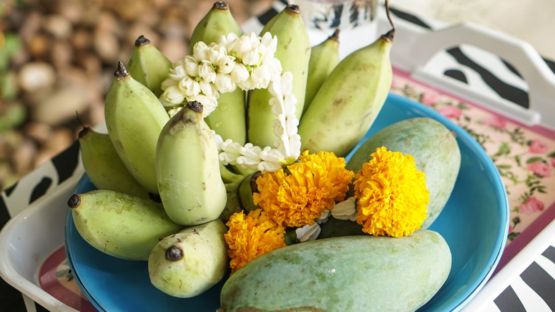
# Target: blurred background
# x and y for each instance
(57, 57)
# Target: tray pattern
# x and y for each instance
(524, 156)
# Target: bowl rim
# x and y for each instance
(500, 241)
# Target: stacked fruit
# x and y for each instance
(187, 142)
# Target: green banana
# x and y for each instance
(232, 183)
(233, 204)
(228, 120)
(134, 118)
(189, 262)
(246, 189)
(148, 65)
(229, 176)
(103, 165)
(293, 51)
(118, 224)
(217, 23)
(349, 100)
(188, 171)
(323, 59)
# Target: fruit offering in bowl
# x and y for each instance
(232, 179)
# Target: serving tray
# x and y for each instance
(462, 77)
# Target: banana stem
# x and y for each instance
(388, 14)
(74, 201)
(83, 132)
(335, 35)
(220, 5)
(121, 71)
(174, 253)
(141, 41)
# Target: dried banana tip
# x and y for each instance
(74, 201)
(389, 35)
(293, 8)
(141, 41)
(121, 71)
(83, 132)
(220, 5)
(335, 35)
(195, 106)
(174, 253)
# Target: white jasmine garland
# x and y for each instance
(247, 62)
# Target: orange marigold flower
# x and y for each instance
(391, 194)
(250, 236)
(298, 195)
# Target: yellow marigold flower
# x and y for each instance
(391, 194)
(297, 196)
(251, 236)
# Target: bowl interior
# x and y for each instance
(474, 223)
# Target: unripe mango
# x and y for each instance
(434, 149)
(351, 273)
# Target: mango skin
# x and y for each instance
(351, 273)
(434, 148)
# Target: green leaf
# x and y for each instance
(504, 149)
(513, 235)
(518, 161)
(534, 160)
(551, 155)
(461, 106)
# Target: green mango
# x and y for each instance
(351, 273)
(434, 148)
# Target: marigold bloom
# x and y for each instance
(298, 195)
(391, 194)
(250, 236)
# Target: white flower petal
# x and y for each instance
(226, 64)
(206, 72)
(267, 166)
(251, 58)
(345, 210)
(168, 83)
(207, 89)
(200, 51)
(172, 96)
(239, 73)
(308, 232)
(191, 66)
(177, 72)
(224, 83)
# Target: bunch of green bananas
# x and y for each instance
(148, 157)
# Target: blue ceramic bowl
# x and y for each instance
(474, 223)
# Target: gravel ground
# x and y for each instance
(57, 58)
